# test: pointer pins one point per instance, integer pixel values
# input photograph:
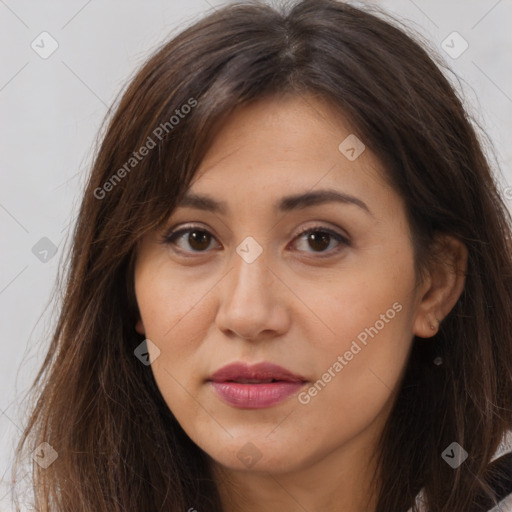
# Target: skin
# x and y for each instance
(205, 308)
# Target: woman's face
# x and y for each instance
(305, 263)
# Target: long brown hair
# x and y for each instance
(119, 446)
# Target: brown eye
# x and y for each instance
(199, 240)
(318, 239)
(189, 239)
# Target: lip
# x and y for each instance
(249, 387)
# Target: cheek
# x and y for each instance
(177, 316)
(169, 304)
(357, 374)
(177, 328)
(371, 301)
(368, 317)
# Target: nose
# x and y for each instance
(252, 304)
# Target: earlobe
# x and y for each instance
(139, 327)
(443, 286)
(426, 325)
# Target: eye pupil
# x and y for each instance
(197, 238)
(319, 239)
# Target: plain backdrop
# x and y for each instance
(51, 107)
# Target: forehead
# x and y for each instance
(288, 152)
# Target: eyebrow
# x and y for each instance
(285, 204)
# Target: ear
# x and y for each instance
(443, 285)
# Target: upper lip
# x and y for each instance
(257, 372)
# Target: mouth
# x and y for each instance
(255, 387)
(253, 381)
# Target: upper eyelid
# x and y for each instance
(178, 229)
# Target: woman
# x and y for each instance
(289, 287)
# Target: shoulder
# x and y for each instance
(502, 483)
(504, 506)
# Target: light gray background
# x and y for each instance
(51, 109)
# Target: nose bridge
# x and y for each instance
(250, 276)
(249, 303)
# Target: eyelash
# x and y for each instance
(171, 236)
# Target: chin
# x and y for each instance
(257, 454)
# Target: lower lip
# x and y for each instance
(255, 396)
